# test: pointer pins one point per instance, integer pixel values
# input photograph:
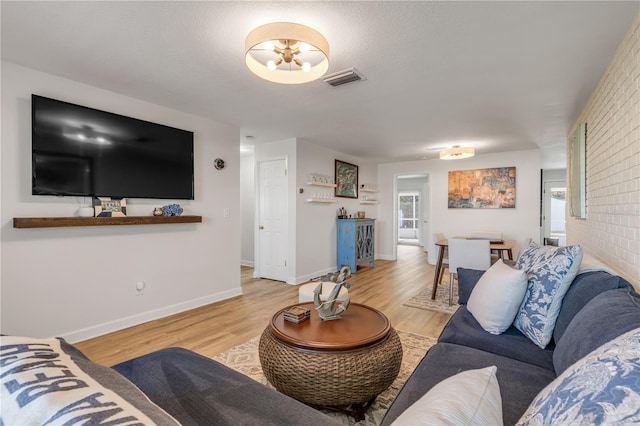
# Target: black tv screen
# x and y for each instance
(87, 152)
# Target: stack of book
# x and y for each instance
(296, 314)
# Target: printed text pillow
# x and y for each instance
(47, 381)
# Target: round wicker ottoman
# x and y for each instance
(344, 362)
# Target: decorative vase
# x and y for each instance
(157, 211)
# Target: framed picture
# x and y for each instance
(577, 172)
(482, 188)
(110, 207)
(346, 180)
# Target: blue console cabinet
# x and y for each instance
(356, 239)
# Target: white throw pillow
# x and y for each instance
(468, 398)
(496, 298)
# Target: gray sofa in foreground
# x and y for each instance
(597, 308)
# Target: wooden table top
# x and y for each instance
(505, 245)
(360, 326)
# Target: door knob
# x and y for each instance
(261, 227)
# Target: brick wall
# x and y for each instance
(611, 231)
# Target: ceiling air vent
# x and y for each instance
(343, 77)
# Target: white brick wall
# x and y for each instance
(611, 231)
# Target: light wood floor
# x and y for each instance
(214, 328)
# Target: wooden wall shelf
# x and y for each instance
(60, 222)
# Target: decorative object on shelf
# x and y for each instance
(369, 187)
(218, 163)
(158, 211)
(110, 207)
(86, 211)
(457, 152)
(320, 180)
(287, 53)
(330, 309)
(482, 188)
(360, 214)
(346, 179)
(342, 213)
(172, 210)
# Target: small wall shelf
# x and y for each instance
(368, 190)
(60, 222)
(321, 200)
(369, 202)
(328, 185)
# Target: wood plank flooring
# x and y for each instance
(214, 328)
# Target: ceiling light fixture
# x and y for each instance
(287, 53)
(457, 153)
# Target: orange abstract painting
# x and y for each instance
(482, 188)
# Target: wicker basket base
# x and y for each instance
(331, 378)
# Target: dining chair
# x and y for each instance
(471, 254)
(445, 260)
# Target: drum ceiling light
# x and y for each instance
(287, 53)
(457, 153)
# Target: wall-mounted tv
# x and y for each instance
(81, 151)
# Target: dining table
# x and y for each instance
(501, 247)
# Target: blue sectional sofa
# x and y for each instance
(597, 308)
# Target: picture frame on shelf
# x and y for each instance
(346, 179)
(110, 207)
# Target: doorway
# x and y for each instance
(408, 218)
(554, 200)
(411, 211)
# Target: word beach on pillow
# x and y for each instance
(41, 383)
(496, 298)
(550, 271)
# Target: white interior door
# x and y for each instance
(272, 220)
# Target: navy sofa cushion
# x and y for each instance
(463, 329)
(605, 317)
(199, 391)
(584, 287)
(467, 280)
(519, 382)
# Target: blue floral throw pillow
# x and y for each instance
(603, 388)
(550, 271)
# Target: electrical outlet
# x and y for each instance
(140, 285)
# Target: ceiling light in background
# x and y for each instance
(457, 153)
(287, 53)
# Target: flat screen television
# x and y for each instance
(81, 151)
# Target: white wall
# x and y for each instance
(79, 282)
(312, 226)
(316, 222)
(516, 224)
(611, 231)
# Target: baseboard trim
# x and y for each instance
(122, 323)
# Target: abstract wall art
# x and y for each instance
(482, 188)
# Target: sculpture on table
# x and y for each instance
(330, 309)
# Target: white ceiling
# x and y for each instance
(499, 76)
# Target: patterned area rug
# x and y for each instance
(423, 299)
(244, 358)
